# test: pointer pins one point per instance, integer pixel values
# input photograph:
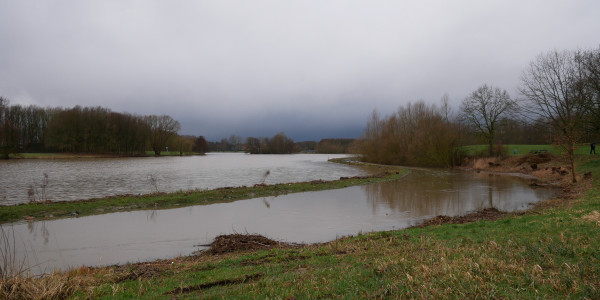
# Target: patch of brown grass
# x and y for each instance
(58, 285)
(483, 163)
(55, 286)
(594, 216)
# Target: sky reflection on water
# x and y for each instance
(303, 217)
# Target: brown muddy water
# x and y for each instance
(303, 217)
(74, 179)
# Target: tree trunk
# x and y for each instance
(571, 154)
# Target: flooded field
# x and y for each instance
(304, 217)
(74, 179)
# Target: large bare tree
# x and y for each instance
(162, 128)
(553, 90)
(484, 108)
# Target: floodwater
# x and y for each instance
(75, 179)
(303, 217)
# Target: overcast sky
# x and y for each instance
(312, 69)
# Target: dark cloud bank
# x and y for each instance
(313, 69)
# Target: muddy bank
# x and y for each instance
(547, 168)
(486, 214)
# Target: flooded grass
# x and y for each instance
(53, 210)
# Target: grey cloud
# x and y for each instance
(219, 66)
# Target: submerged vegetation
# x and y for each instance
(60, 209)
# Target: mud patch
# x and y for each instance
(486, 214)
(204, 286)
(547, 167)
(242, 242)
(535, 158)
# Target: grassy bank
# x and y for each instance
(550, 252)
(582, 149)
(52, 210)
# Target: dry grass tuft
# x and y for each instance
(46, 287)
(58, 285)
(594, 216)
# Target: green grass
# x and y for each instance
(53, 210)
(525, 149)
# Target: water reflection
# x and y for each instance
(302, 217)
(452, 193)
(35, 227)
(152, 215)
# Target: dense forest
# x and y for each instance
(86, 129)
(558, 102)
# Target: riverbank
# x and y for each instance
(65, 209)
(551, 251)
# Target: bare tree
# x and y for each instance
(236, 142)
(446, 109)
(484, 109)
(552, 88)
(162, 128)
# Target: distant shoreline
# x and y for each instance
(91, 155)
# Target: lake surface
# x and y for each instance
(74, 179)
(303, 217)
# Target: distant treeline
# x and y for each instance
(79, 129)
(280, 144)
(87, 129)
